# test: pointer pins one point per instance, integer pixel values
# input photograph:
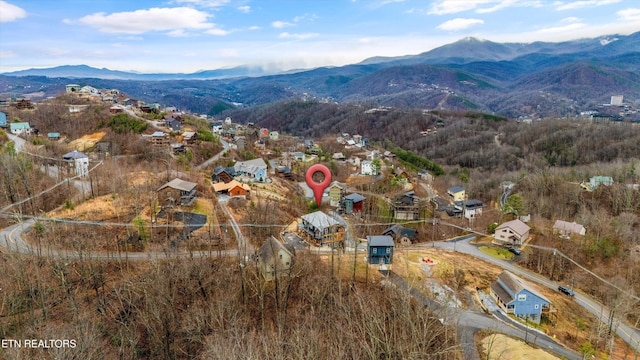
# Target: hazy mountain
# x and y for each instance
(511, 79)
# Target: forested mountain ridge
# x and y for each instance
(534, 80)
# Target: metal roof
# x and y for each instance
(179, 184)
(517, 226)
(319, 220)
(380, 240)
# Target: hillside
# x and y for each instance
(481, 75)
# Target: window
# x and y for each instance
(388, 250)
(374, 251)
(536, 306)
(522, 297)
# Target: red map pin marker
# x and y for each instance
(318, 188)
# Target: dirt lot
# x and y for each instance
(500, 347)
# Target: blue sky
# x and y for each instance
(191, 35)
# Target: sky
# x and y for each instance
(186, 36)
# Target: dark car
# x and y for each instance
(567, 291)
(515, 251)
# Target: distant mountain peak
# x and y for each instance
(472, 39)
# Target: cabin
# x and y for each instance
(321, 229)
(232, 188)
(223, 174)
(189, 137)
(53, 136)
(159, 138)
(380, 249)
(353, 203)
(78, 162)
(3, 120)
(513, 233)
(283, 172)
(400, 234)
(516, 296)
(275, 259)
(177, 192)
(406, 207)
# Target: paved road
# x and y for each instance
(225, 147)
(243, 244)
(627, 333)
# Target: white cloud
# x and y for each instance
(570, 20)
(286, 35)
(178, 33)
(217, 32)
(560, 5)
(244, 9)
(281, 24)
(10, 12)
(630, 14)
(204, 3)
(254, 27)
(154, 19)
(459, 24)
(443, 7)
(562, 29)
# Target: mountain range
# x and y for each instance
(509, 79)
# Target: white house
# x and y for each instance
(78, 161)
(514, 232)
(367, 168)
(565, 228)
(18, 128)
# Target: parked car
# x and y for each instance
(515, 251)
(566, 290)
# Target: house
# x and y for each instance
(469, 208)
(338, 156)
(565, 228)
(89, 90)
(216, 127)
(232, 188)
(116, 109)
(223, 174)
(308, 144)
(190, 137)
(3, 120)
(284, 172)
(255, 169)
(367, 168)
(159, 138)
(518, 297)
(275, 258)
(406, 207)
(54, 136)
(177, 148)
(23, 103)
(19, 128)
(399, 173)
(78, 162)
(425, 175)
(240, 142)
(227, 121)
(401, 234)
(336, 191)
(274, 136)
(173, 124)
(380, 249)
(595, 181)
(177, 190)
(264, 133)
(72, 88)
(456, 193)
(514, 232)
(353, 203)
(321, 229)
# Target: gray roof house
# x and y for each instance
(185, 189)
(321, 228)
(514, 232)
(565, 228)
